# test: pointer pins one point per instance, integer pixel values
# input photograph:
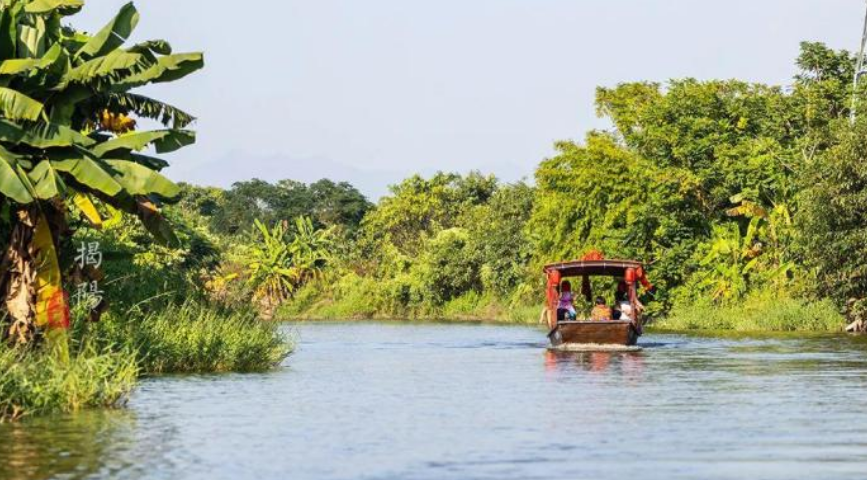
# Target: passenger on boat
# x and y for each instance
(566, 307)
(601, 312)
(626, 312)
(620, 297)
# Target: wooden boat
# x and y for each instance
(565, 333)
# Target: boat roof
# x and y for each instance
(610, 268)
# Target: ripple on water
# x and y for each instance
(410, 401)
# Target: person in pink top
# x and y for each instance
(567, 301)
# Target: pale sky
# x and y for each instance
(371, 91)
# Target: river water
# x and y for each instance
(411, 401)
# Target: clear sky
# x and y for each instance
(371, 91)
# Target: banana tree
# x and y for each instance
(285, 259)
(69, 141)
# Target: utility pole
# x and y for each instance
(859, 71)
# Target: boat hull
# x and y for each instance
(594, 333)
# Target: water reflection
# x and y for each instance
(441, 402)
(629, 363)
(69, 446)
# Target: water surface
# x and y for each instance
(408, 401)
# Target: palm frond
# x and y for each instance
(146, 107)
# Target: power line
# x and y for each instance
(859, 71)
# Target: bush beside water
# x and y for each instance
(756, 314)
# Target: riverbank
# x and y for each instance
(108, 358)
(755, 314)
(39, 383)
(468, 308)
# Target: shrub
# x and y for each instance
(448, 268)
(759, 312)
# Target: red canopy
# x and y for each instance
(608, 268)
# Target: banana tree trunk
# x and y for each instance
(17, 277)
(31, 280)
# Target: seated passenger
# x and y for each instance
(621, 296)
(601, 312)
(566, 307)
(626, 312)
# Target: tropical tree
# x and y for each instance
(284, 259)
(736, 261)
(270, 273)
(832, 221)
(69, 141)
(310, 248)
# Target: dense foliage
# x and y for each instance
(732, 192)
(833, 219)
(327, 203)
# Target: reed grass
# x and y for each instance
(37, 383)
(196, 338)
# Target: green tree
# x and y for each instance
(285, 258)
(338, 204)
(418, 208)
(726, 137)
(499, 236)
(832, 219)
(448, 268)
(327, 203)
(67, 137)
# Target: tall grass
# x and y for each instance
(196, 338)
(187, 338)
(35, 382)
(760, 313)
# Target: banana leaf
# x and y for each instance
(113, 35)
(52, 306)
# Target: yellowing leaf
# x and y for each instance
(88, 209)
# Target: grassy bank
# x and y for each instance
(36, 383)
(195, 338)
(756, 314)
(109, 356)
(761, 312)
(364, 304)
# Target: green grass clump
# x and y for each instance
(760, 313)
(37, 382)
(349, 297)
(197, 338)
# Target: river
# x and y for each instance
(447, 401)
